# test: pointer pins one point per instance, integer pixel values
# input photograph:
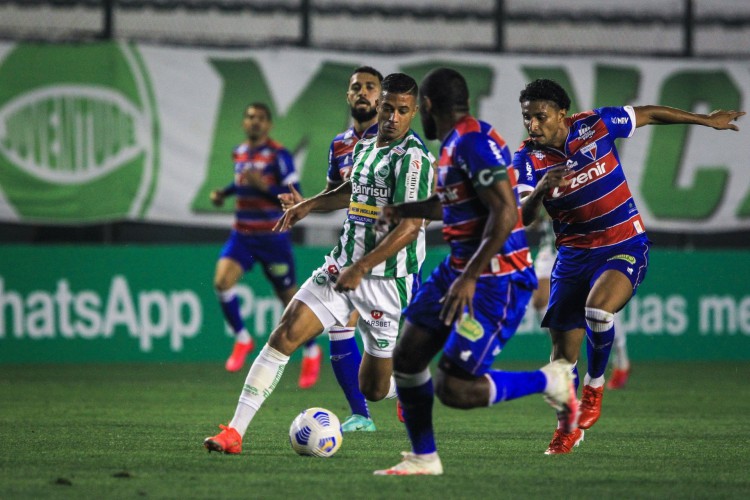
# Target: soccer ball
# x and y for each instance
(316, 432)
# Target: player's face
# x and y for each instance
(544, 122)
(429, 127)
(256, 124)
(395, 113)
(362, 96)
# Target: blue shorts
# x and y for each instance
(577, 269)
(499, 306)
(273, 251)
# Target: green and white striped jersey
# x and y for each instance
(395, 173)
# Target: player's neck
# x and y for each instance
(360, 127)
(254, 143)
(446, 125)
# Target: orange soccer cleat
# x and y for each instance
(227, 441)
(564, 442)
(619, 378)
(591, 406)
(239, 353)
(310, 371)
(400, 411)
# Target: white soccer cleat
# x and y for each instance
(414, 465)
(560, 392)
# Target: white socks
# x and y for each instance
(259, 384)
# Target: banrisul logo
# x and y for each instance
(78, 135)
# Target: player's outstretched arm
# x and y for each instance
(429, 208)
(322, 202)
(665, 115)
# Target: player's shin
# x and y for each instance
(505, 386)
(600, 334)
(345, 361)
(416, 393)
(264, 374)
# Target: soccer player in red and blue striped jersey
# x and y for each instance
(473, 302)
(570, 165)
(263, 169)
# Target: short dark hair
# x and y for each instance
(369, 70)
(545, 90)
(400, 83)
(447, 89)
(263, 106)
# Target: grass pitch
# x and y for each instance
(679, 430)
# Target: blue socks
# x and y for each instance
(345, 361)
(505, 386)
(416, 394)
(230, 306)
(600, 335)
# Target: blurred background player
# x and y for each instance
(263, 169)
(346, 359)
(473, 302)
(571, 166)
(620, 360)
(373, 268)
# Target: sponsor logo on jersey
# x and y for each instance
(372, 191)
(470, 328)
(382, 343)
(582, 178)
(571, 164)
(495, 150)
(589, 150)
(376, 314)
(278, 269)
(320, 279)
(585, 132)
(485, 177)
(448, 195)
(332, 269)
(412, 185)
(620, 120)
(362, 212)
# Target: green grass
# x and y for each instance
(679, 430)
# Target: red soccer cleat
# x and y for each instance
(227, 441)
(564, 442)
(239, 353)
(400, 411)
(591, 406)
(310, 371)
(619, 378)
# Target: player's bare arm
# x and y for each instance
(500, 200)
(429, 208)
(288, 200)
(323, 202)
(665, 115)
(403, 234)
(554, 177)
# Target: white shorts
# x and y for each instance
(544, 261)
(379, 302)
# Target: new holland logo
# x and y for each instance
(76, 143)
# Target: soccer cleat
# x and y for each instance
(400, 411)
(560, 392)
(239, 352)
(591, 406)
(413, 464)
(310, 371)
(564, 442)
(619, 378)
(227, 441)
(356, 422)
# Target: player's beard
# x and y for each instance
(362, 115)
(429, 127)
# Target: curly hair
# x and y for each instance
(545, 90)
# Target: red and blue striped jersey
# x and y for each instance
(340, 157)
(473, 155)
(257, 211)
(596, 209)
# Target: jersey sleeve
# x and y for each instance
(413, 176)
(333, 176)
(620, 121)
(286, 173)
(525, 170)
(484, 160)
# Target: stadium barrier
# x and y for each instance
(65, 304)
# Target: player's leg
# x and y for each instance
(345, 361)
(298, 324)
(228, 272)
(621, 362)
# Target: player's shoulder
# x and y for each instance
(413, 143)
(276, 146)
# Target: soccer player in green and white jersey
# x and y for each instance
(372, 269)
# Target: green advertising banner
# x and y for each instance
(105, 131)
(156, 303)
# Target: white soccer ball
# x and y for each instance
(316, 432)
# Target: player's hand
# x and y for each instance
(217, 197)
(293, 215)
(288, 200)
(349, 278)
(555, 177)
(460, 297)
(722, 120)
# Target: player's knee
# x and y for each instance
(451, 392)
(599, 320)
(373, 390)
